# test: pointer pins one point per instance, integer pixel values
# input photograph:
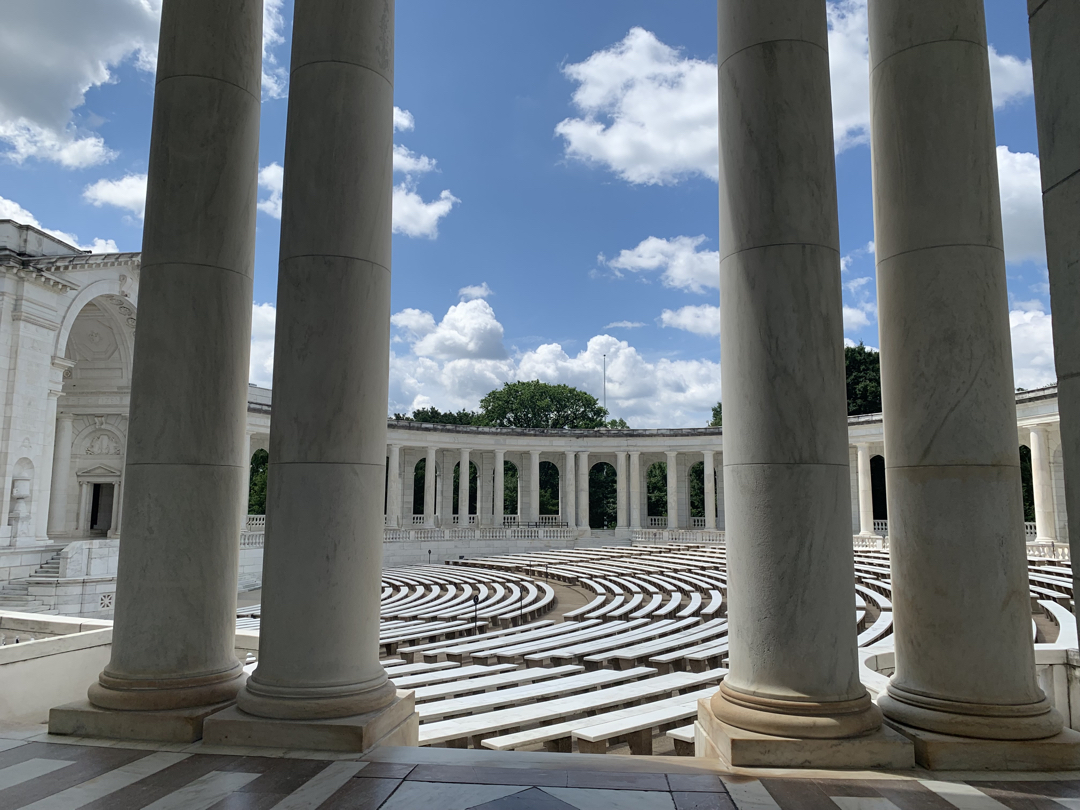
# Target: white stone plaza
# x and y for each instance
(799, 609)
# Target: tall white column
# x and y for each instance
(319, 642)
(583, 490)
(782, 349)
(61, 474)
(710, 490)
(82, 520)
(500, 484)
(118, 495)
(393, 487)
(429, 488)
(1054, 28)
(672, 489)
(569, 480)
(952, 467)
(43, 480)
(175, 622)
(534, 486)
(635, 489)
(445, 488)
(463, 488)
(1043, 485)
(621, 519)
(866, 491)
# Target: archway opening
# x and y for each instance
(510, 488)
(877, 488)
(603, 496)
(473, 473)
(656, 489)
(695, 488)
(419, 476)
(549, 488)
(1027, 483)
(260, 465)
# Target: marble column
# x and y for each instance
(1054, 28)
(1043, 486)
(953, 472)
(82, 518)
(782, 362)
(319, 642)
(672, 489)
(445, 488)
(393, 487)
(569, 479)
(429, 488)
(499, 494)
(866, 491)
(635, 489)
(175, 621)
(620, 490)
(534, 486)
(710, 490)
(61, 473)
(463, 488)
(42, 484)
(583, 490)
(114, 521)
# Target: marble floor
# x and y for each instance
(41, 772)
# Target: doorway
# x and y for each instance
(101, 508)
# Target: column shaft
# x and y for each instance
(429, 488)
(81, 518)
(1043, 485)
(463, 488)
(319, 642)
(952, 467)
(621, 519)
(710, 490)
(61, 473)
(866, 491)
(393, 487)
(175, 621)
(635, 489)
(569, 506)
(672, 489)
(583, 490)
(1054, 28)
(499, 494)
(534, 486)
(785, 427)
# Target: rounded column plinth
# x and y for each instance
(986, 721)
(145, 694)
(803, 719)
(315, 703)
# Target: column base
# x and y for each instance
(738, 748)
(942, 752)
(797, 719)
(83, 719)
(1012, 722)
(395, 724)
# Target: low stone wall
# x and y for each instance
(411, 546)
(21, 562)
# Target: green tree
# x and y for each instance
(1027, 484)
(616, 424)
(549, 488)
(603, 496)
(863, 380)
(260, 464)
(434, 416)
(717, 415)
(656, 489)
(696, 487)
(535, 404)
(510, 488)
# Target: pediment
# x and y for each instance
(98, 470)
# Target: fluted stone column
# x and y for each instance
(710, 490)
(793, 669)
(463, 488)
(635, 489)
(319, 641)
(583, 490)
(534, 486)
(955, 516)
(175, 621)
(61, 473)
(672, 466)
(429, 488)
(1043, 486)
(866, 491)
(1054, 28)
(569, 507)
(82, 518)
(393, 487)
(620, 490)
(499, 493)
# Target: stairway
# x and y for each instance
(15, 595)
(50, 569)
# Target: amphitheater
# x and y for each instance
(814, 611)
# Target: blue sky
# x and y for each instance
(556, 198)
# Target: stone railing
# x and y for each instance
(881, 527)
(252, 539)
(697, 522)
(660, 536)
(656, 521)
(458, 534)
(1044, 550)
(871, 543)
(256, 523)
(510, 520)
(1030, 532)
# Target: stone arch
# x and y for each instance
(603, 496)
(98, 335)
(511, 485)
(656, 489)
(474, 476)
(549, 488)
(104, 287)
(695, 489)
(877, 488)
(419, 476)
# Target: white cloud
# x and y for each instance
(703, 319)
(625, 325)
(275, 78)
(129, 193)
(684, 266)
(1033, 347)
(271, 178)
(1010, 78)
(849, 72)
(403, 120)
(857, 284)
(9, 209)
(50, 57)
(407, 161)
(469, 330)
(413, 216)
(855, 318)
(475, 291)
(1021, 206)
(261, 365)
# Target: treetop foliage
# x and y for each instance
(717, 415)
(863, 380)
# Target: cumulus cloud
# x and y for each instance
(1021, 206)
(849, 73)
(129, 193)
(407, 161)
(683, 266)
(275, 77)
(1032, 346)
(9, 209)
(261, 365)
(271, 178)
(403, 120)
(414, 216)
(703, 319)
(625, 325)
(475, 291)
(1010, 78)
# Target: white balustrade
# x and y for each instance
(657, 521)
(697, 522)
(252, 539)
(881, 527)
(256, 523)
(550, 520)
(417, 520)
(510, 520)
(1029, 531)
